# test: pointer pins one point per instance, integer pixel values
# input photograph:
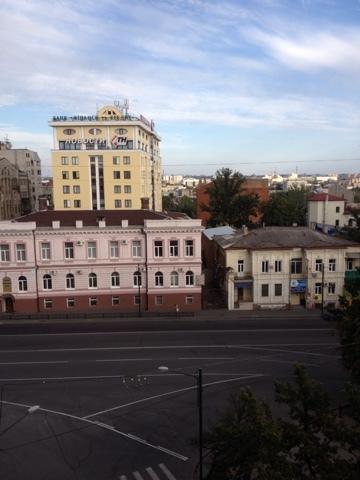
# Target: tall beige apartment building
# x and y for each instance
(110, 160)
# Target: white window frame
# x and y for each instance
(159, 279)
(136, 248)
(114, 249)
(137, 277)
(240, 266)
(48, 303)
(158, 248)
(115, 300)
(278, 266)
(189, 278)
(189, 248)
(331, 288)
(91, 250)
(22, 283)
(70, 281)
(45, 248)
(318, 265)
(92, 280)
(318, 288)
(69, 250)
(174, 279)
(47, 282)
(115, 280)
(265, 266)
(332, 264)
(20, 252)
(5, 252)
(174, 248)
(69, 301)
(93, 301)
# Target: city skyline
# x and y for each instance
(255, 85)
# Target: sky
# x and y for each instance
(254, 85)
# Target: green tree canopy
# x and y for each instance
(286, 208)
(228, 204)
(182, 204)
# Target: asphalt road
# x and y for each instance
(106, 412)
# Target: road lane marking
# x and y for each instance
(137, 476)
(152, 474)
(292, 351)
(170, 347)
(269, 359)
(123, 477)
(206, 358)
(34, 363)
(101, 360)
(166, 471)
(180, 390)
(104, 426)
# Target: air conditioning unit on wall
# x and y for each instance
(124, 242)
(79, 243)
(79, 272)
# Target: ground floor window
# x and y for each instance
(318, 288)
(115, 300)
(70, 302)
(265, 290)
(278, 289)
(48, 303)
(93, 301)
(331, 288)
(136, 299)
(158, 300)
(188, 300)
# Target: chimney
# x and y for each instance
(124, 223)
(55, 224)
(78, 224)
(102, 223)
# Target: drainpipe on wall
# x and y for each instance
(36, 275)
(146, 275)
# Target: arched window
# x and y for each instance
(47, 282)
(174, 279)
(23, 284)
(92, 280)
(189, 278)
(70, 280)
(115, 279)
(137, 279)
(159, 279)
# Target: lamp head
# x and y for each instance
(33, 408)
(163, 368)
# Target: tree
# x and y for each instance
(228, 205)
(286, 208)
(182, 204)
(310, 442)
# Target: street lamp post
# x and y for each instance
(139, 278)
(30, 410)
(322, 286)
(199, 385)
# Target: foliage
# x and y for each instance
(228, 204)
(182, 204)
(286, 208)
(349, 331)
(353, 233)
(312, 442)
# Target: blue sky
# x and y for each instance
(257, 85)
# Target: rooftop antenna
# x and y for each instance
(126, 106)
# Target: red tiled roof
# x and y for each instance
(321, 197)
(91, 217)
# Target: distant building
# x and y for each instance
(109, 260)
(254, 186)
(29, 162)
(46, 194)
(327, 213)
(282, 267)
(10, 198)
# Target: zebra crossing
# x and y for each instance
(161, 472)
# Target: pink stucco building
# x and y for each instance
(63, 261)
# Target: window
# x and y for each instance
(116, 175)
(75, 160)
(93, 301)
(115, 279)
(136, 248)
(337, 209)
(5, 253)
(70, 281)
(127, 174)
(189, 248)
(158, 248)
(331, 288)
(128, 203)
(92, 280)
(48, 303)
(332, 265)
(45, 251)
(117, 203)
(318, 265)
(278, 289)
(137, 300)
(23, 284)
(337, 223)
(76, 188)
(67, 204)
(77, 203)
(189, 300)
(20, 252)
(159, 279)
(189, 278)
(174, 279)
(349, 264)
(116, 160)
(117, 188)
(240, 266)
(174, 248)
(115, 300)
(296, 265)
(265, 266)
(69, 250)
(91, 249)
(66, 188)
(137, 279)
(278, 266)
(158, 300)
(64, 160)
(318, 288)
(127, 189)
(265, 290)
(47, 282)
(70, 302)
(65, 175)
(76, 175)
(114, 249)
(126, 160)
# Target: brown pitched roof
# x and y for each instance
(270, 238)
(321, 197)
(91, 217)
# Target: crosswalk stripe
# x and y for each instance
(152, 473)
(137, 476)
(166, 471)
(123, 477)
